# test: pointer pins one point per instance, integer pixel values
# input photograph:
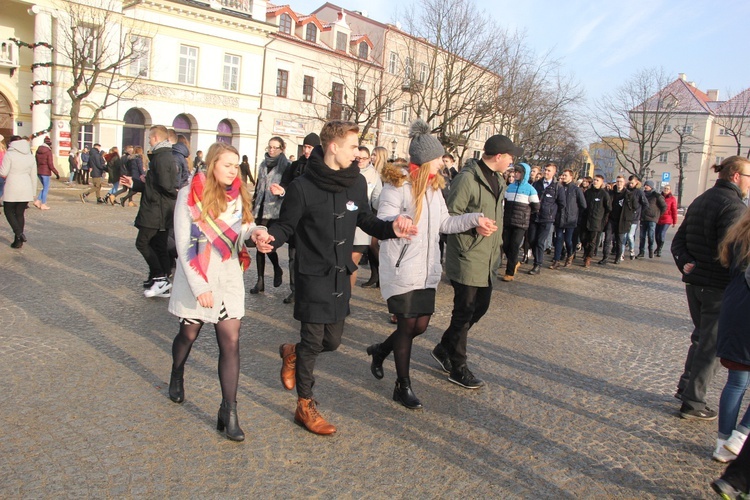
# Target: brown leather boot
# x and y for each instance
(568, 261)
(555, 264)
(307, 416)
(587, 262)
(288, 353)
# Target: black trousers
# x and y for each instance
(611, 235)
(314, 339)
(15, 214)
(701, 363)
(738, 472)
(470, 303)
(152, 244)
(588, 241)
(512, 239)
(538, 234)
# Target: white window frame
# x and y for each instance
(141, 62)
(687, 130)
(405, 114)
(341, 41)
(719, 159)
(393, 63)
(283, 25)
(230, 80)
(389, 112)
(667, 129)
(188, 65)
(664, 157)
(684, 157)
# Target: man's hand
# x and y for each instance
(206, 299)
(486, 226)
(126, 181)
(688, 268)
(262, 240)
(404, 227)
(277, 190)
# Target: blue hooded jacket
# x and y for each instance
(521, 200)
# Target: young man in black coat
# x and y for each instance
(598, 207)
(551, 199)
(322, 208)
(155, 215)
(649, 217)
(695, 251)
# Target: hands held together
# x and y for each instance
(486, 226)
(404, 227)
(262, 240)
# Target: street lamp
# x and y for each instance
(394, 143)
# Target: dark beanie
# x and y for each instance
(311, 139)
(424, 147)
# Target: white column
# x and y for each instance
(41, 114)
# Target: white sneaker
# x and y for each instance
(160, 288)
(735, 442)
(721, 454)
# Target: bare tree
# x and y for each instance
(98, 47)
(637, 114)
(450, 68)
(686, 144)
(734, 117)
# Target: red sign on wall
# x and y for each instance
(65, 134)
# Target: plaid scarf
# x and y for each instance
(213, 233)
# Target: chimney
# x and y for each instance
(713, 94)
(692, 84)
(682, 76)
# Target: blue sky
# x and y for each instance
(601, 44)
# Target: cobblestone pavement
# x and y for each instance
(580, 368)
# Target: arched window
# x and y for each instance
(364, 50)
(311, 33)
(224, 132)
(134, 128)
(285, 24)
(6, 118)
(182, 125)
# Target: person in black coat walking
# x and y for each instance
(98, 167)
(551, 199)
(633, 205)
(155, 215)
(567, 219)
(695, 251)
(322, 208)
(649, 217)
(598, 207)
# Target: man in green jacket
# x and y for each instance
(471, 256)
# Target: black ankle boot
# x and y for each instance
(374, 281)
(376, 367)
(404, 395)
(277, 276)
(227, 421)
(17, 242)
(260, 286)
(176, 388)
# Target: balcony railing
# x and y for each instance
(8, 55)
(244, 6)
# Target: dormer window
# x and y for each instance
(341, 40)
(311, 33)
(285, 24)
(364, 50)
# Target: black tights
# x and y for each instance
(228, 338)
(401, 340)
(260, 259)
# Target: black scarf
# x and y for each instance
(271, 162)
(327, 179)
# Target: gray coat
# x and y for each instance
(19, 170)
(224, 278)
(418, 259)
(270, 202)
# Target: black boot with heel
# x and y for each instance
(176, 387)
(378, 356)
(227, 421)
(404, 395)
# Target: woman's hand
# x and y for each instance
(206, 299)
(126, 181)
(262, 240)
(404, 227)
(277, 190)
(486, 226)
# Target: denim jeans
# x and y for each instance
(2, 186)
(72, 176)
(44, 179)
(701, 362)
(661, 235)
(539, 233)
(628, 239)
(564, 235)
(647, 229)
(115, 188)
(729, 406)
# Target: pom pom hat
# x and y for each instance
(424, 147)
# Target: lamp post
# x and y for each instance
(394, 143)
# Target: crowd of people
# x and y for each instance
(338, 201)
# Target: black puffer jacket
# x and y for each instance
(704, 226)
(159, 193)
(575, 203)
(598, 206)
(551, 200)
(733, 341)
